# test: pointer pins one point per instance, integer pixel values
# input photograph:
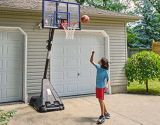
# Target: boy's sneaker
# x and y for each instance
(101, 119)
(107, 115)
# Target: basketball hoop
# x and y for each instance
(69, 29)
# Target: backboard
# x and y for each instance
(55, 12)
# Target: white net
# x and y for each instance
(69, 29)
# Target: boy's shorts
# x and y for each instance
(100, 93)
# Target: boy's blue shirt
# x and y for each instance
(102, 76)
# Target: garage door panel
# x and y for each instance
(14, 79)
(98, 49)
(70, 74)
(70, 89)
(11, 58)
(13, 51)
(13, 85)
(58, 75)
(57, 64)
(86, 50)
(57, 51)
(11, 93)
(84, 73)
(57, 81)
(1, 50)
(59, 88)
(69, 51)
(14, 36)
(86, 57)
(0, 94)
(13, 64)
(85, 88)
(1, 36)
(4, 94)
(1, 64)
(1, 79)
(85, 63)
(71, 62)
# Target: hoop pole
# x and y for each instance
(49, 46)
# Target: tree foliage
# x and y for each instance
(147, 29)
(104, 4)
(142, 67)
(156, 4)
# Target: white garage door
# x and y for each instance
(71, 71)
(11, 50)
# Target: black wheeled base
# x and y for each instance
(49, 101)
(35, 102)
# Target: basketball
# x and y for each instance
(85, 19)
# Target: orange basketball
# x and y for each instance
(85, 19)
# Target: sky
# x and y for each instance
(130, 3)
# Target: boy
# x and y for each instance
(101, 77)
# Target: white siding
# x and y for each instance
(29, 21)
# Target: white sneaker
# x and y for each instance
(101, 119)
(107, 115)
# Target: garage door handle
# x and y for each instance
(78, 74)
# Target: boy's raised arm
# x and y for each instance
(91, 58)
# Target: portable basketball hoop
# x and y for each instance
(69, 29)
(53, 13)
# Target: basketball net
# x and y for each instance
(69, 29)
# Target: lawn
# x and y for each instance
(136, 88)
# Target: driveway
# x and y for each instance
(125, 109)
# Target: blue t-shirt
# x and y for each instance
(102, 76)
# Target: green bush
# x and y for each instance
(142, 67)
(5, 116)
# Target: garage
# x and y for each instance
(11, 64)
(71, 71)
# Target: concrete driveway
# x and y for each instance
(124, 109)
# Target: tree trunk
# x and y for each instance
(146, 82)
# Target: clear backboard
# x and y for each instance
(55, 13)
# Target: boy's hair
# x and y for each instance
(104, 63)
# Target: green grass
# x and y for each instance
(136, 88)
(5, 116)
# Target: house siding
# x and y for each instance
(29, 21)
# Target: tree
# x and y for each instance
(81, 2)
(111, 5)
(148, 28)
(156, 4)
(132, 38)
(142, 67)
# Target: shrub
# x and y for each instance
(142, 67)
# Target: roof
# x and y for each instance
(37, 5)
(99, 12)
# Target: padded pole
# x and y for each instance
(49, 46)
